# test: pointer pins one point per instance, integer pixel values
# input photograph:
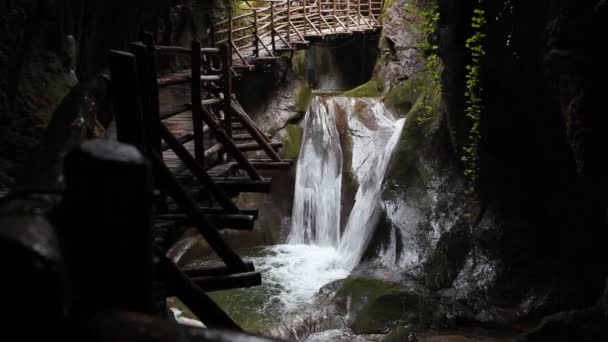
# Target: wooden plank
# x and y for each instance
(227, 282)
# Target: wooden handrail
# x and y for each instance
(262, 24)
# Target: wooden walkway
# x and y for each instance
(196, 135)
(261, 33)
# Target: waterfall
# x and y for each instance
(363, 216)
(316, 209)
(316, 252)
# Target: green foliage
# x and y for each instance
(472, 94)
(430, 46)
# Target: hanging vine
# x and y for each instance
(475, 46)
(430, 46)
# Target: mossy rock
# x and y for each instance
(401, 334)
(291, 146)
(373, 88)
(304, 97)
(419, 100)
(298, 63)
(377, 306)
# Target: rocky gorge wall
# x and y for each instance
(47, 48)
(519, 234)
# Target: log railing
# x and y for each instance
(260, 32)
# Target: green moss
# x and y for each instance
(373, 88)
(291, 147)
(298, 63)
(377, 305)
(420, 99)
(304, 97)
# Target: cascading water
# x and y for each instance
(316, 209)
(316, 253)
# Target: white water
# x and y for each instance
(316, 209)
(316, 253)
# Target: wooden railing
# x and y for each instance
(260, 32)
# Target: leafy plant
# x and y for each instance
(475, 47)
(430, 46)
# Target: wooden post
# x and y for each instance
(227, 78)
(141, 56)
(151, 81)
(196, 98)
(126, 100)
(358, 12)
(212, 34)
(274, 48)
(256, 50)
(305, 18)
(230, 43)
(369, 9)
(106, 228)
(320, 14)
(335, 16)
(289, 21)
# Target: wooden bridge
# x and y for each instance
(261, 33)
(191, 127)
(196, 139)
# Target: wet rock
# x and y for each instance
(375, 306)
(583, 325)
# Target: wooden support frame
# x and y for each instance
(203, 225)
(197, 170)
(195, 97)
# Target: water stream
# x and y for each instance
(317, 252)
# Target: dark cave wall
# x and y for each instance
(47, 47)
(542, 216)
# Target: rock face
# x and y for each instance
(530, 241)
(47, 47)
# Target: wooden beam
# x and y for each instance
(203, 225)
(227, 282)
(182, 140)
(197, 170)
(213, 270)
(126, 99)
(195, 97)
(203, 307)
(150, 119)
(229, 145)
(220, 221)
